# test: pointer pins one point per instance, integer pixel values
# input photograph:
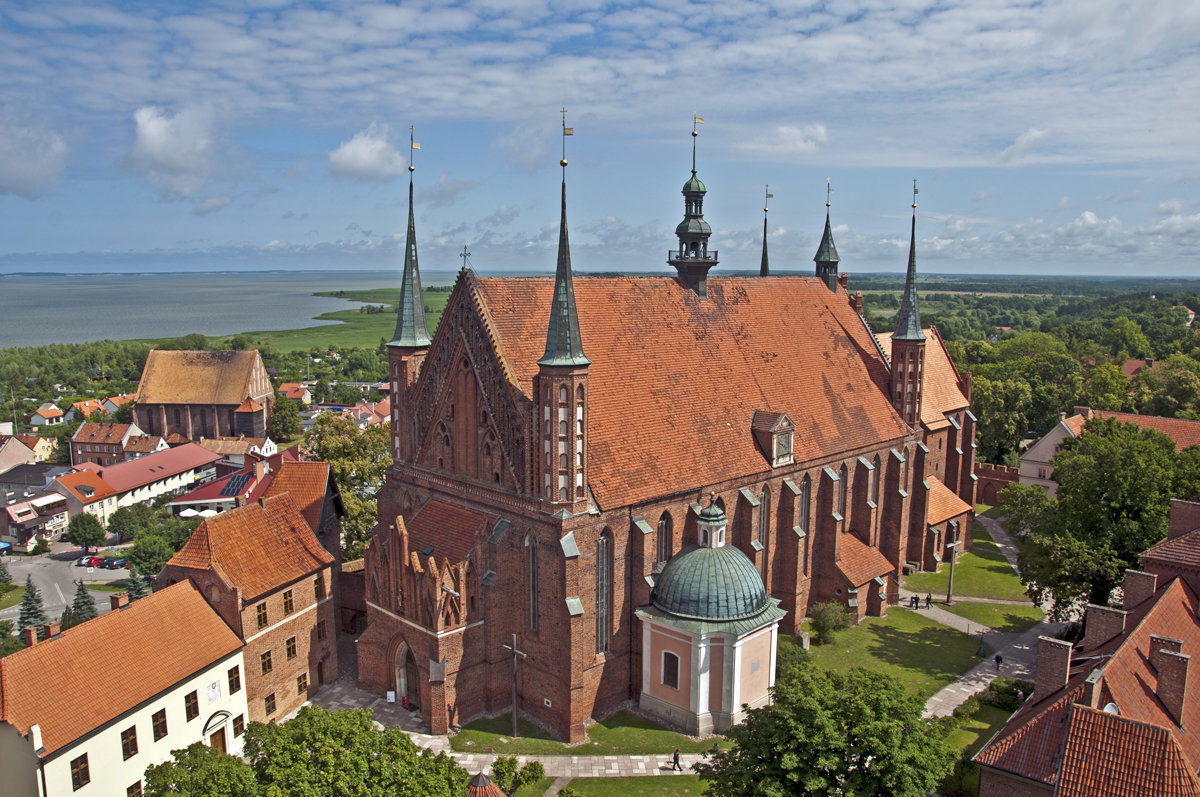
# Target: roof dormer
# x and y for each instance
(773, 432)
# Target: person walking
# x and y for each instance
(675, 767)
(928, 600)
(999, 660)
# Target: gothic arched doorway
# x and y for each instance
(407, 675)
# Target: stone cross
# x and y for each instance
(515, 654)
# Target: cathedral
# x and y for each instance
(615, 490)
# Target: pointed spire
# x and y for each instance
(411, 330)
(764, 270)
(908, 320)
(564, 344)
(826, 257)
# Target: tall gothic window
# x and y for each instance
(805, 496)
(531, 546)
(664, 537)
(604, 591)
(764, 522)
(876, 476)
(843, 480)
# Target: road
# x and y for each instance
(54, 574)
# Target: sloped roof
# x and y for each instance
(1107, 755)
(1182, 550)
(306, 483)
(655, 412)
(142, 443)
(1185, 433)
(220, 490)
(134, 473)
(1074, 424)
(450, 530)
(860, 562)
(940, 393)
(48, 412)
(483, 786)
(32, 441)
(86, 486)
(943, 503)
(87, 406)
(197, 377)
(257, 548)
(146, 648)
(226, 446)
(106, 433)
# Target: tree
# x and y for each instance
(149, 552)
(5, 576)
(1105, 388)
(285, 421)
(198, 769)
(130, 521)
(33, 611)
(1115, 483)
(508, 777)
(358, 459)
(8, 642)
(833, 732)
(827, 619)
(1002, 406)
(82, 606)
(84, 530)
(340, 752)
(124, 413)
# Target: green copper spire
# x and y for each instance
(411, 330)
(908, 320)
(826, 257)
(764, 270)
(564, 345)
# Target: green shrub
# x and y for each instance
(41, 547)
(1006, 693)
(827, 619)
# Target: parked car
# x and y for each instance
(83, 560)
(95, 561)
(114, 564)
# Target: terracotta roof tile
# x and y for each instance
(788, 344)
(940, 393)
(306, 483)
(142, 444)
(1107, 755)
(226, 446)
(98, 670)
(449, 530)
(1074, 424)
(860, 562)
(87, 406)
(48, 412)
(1031, 742)
(86, 486)
(197, 377)
(942, 504)
(483, 786)
(249, 405)
(1182, 550)
(110, 433)
(134, 473)
(1185, 433)
(257, 548)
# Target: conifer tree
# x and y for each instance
(82, 606)
(33, 612)
(137, 586)
(67, 620)
(5, 576)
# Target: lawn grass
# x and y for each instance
(108, 586)
(621, 734)
(625, 787)
(971, 735)
(535, 789)
(981, 573)
(922, 653)
(12, 595)
(998, 616)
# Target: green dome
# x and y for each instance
(694, 186)
(693, 226)
(710, 584)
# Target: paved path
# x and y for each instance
(1000, 536)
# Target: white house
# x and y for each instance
(87, 710)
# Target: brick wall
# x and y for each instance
(993, 783)
(991, 480)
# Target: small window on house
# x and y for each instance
(159, 722)
(843, 478)
(302, 684)
(562, 428)
(265, 661)
(214, 594)
(80, 776)
(563, 394)
(129, 743)
(269, 703)
(319, 588)
(260, 613)
(670, 669)
(783, 446)
(239, 725)
(663, 537)
(290, 645)
(289, 605)
(191, 706)
(235, 680)
(320, 629)
(135, 790)
(876, 476)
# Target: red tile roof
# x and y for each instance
(48, 412)
(449, 530)
(87, 406)
(249, 405)
(1074, 424)
(258, 547)
(306, 483)
(658, 409)
(98, 670)
(226, 446)
(940, 393)
(86, 486)
(197, 377)
(860, 562)
(1185, 433)
(142, 444)
(108, 433)
(1182, 550)
(1107, 755)
(134, 473)
(943, 503)
(1135, 367)
(483, 786)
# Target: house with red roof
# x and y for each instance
(39, 517)
(47, 415)
(194, 394)
(86, 710)
(554, 443)
(297, 392)
(86, 491)
(264, 571)
(43, 448)
(14, 452)
(102, 443)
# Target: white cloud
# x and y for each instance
(31, 157)
(1030, 139)
(444, 191)
(174, 152)
(1169, 207)
(369, 155)
(211, 205)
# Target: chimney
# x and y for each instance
(1102, 624)
(29, 636)
(50, 630)
(843, 280)
(117, 600)
(1139, 587)
(1062, 416)
(1053, 666)
(1172, 682)
(260, 470)
(1091, 688)
(1185, 517)
(1160, 645)
(35, 738)
(857, 302)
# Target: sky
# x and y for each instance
(1052, 137)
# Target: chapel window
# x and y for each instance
(670, 669)
(843, 478)
(604, 551)
(531, 547)
(664, 537)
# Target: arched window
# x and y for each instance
(531, 547)
(876, 477)
(664, 537)
(579, 394)
(562, 394)
(562, 427)
(805, 496)
(604, 551)
(843, 480)
(670, 669)
(562, 461)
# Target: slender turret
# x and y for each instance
(908, 341)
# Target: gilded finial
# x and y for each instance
(411, 146)
(767, 195)
(567, 131)
(914, 204)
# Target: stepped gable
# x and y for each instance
(943, 503)
(940, 391)
(197, 377)
(98, 670)
(654, 418)
(256, 548)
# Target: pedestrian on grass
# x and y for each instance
(675, 762)
(999, 660)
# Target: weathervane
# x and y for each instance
(411, 146)
(828, 190)
(768, 195)
(697, 119)
(914, 196)
(567, 131)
